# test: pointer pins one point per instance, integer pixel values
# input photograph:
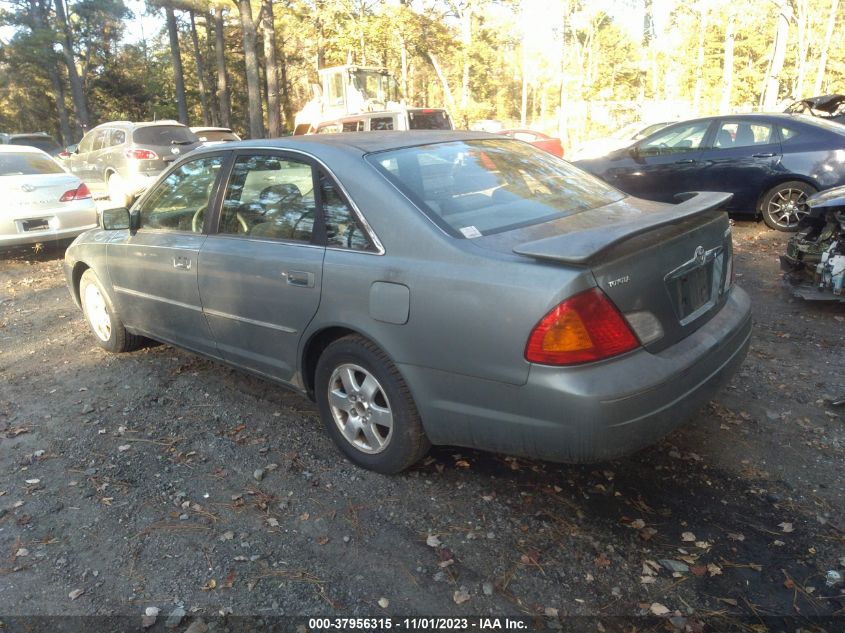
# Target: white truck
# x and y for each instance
(360, 99)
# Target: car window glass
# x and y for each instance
(180, 201)
(118, 137)
(675, 140)
(87, 142)
(788, 134)
(269, 197)
(381, 123)
(164, 135)
(353, 126)
(473, 188)
(342, 228)
(101, 139)
(330, 128)
(25, 164)
(742, 134)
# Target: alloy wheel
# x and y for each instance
(787, 207)
(360, 408)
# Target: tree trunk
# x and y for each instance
(831, 24)
(523, 108)
(284, 85)
(200, 70)
(222, 78)
(80, 105)
(253, 82)
(274, 123)
(403, 58)
(447, 92)
(43, 35)
(466, 43)
(321, 37)
(178, 75)
(727, 66)
(61, 109)
(213, 104)
(771, 93)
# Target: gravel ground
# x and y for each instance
(161, 479)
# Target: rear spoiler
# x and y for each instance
(579, 247)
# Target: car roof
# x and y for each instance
(357, 143)
(137, 124)
(21, 149)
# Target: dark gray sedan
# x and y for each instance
(428, 287)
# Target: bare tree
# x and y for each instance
(728, 65)
(222, 77)
(268, 29)
(772, 85)
(200, 70)
(253, 89)
(828, 35)
(178, 74)
(80, 104)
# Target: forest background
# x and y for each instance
(573, 68)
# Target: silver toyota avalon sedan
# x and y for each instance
(428, 288)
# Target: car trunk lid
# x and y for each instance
(29, 195)
(664, 267)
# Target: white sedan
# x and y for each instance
(41, 200)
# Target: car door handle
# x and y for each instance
(767, 155)
(299, 278)
(183, 263)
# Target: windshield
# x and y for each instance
(474, 188)
(27, 164)
(217, 135)
(374, 85)
(164, 135)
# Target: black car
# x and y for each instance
(770, 163)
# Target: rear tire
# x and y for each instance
(784, 205)
(117, 190)
(367, 408)
(102, 318)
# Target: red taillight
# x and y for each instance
(584, 328)
(80, 193)
(141, 154)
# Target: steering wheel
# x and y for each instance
(196, 221)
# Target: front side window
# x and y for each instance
(180, 201)
(87, 142)
(118, 137)
(269, 197)
(474, 188)
(740, 134)
(342, 227)
(675, 140)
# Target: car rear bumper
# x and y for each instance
(61, 223)
(592, 412)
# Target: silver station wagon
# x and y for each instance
(428, 288)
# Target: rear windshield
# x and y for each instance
(164, 135)
(217, 135)
(26, 164)
(429, 120)
(41, 142)
(473, 188)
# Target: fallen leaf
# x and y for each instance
(433, 540)
(602, 561)
(210, 585)
(698, 570)
(658, 609)
(729, 601)
(714, 570)
(647, 532)
(647, 580)
(33, 481)
(383, 603)
(230, 580)
(688, 537)
(272, 522)
(550, 612)
(322, 540)
(637, 524)
(227, 536)
(124, 448)
(460, 596)
(73, 595)
(734, 536)
(786, 527)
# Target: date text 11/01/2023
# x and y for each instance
(418, 624)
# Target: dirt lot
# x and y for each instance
(132, 479)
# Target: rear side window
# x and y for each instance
(743, 134)
(118, 137)
(269, 197)
(474, 188)
(164, 135)
(429, 120)
(342, 228)
(26, 164)
(353, 126)
(381, 123)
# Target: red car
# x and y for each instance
(548, 143)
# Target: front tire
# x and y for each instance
(102, 318)
(785, 205)
(367, 408)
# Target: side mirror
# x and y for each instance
(134, 220)
(115, 219)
